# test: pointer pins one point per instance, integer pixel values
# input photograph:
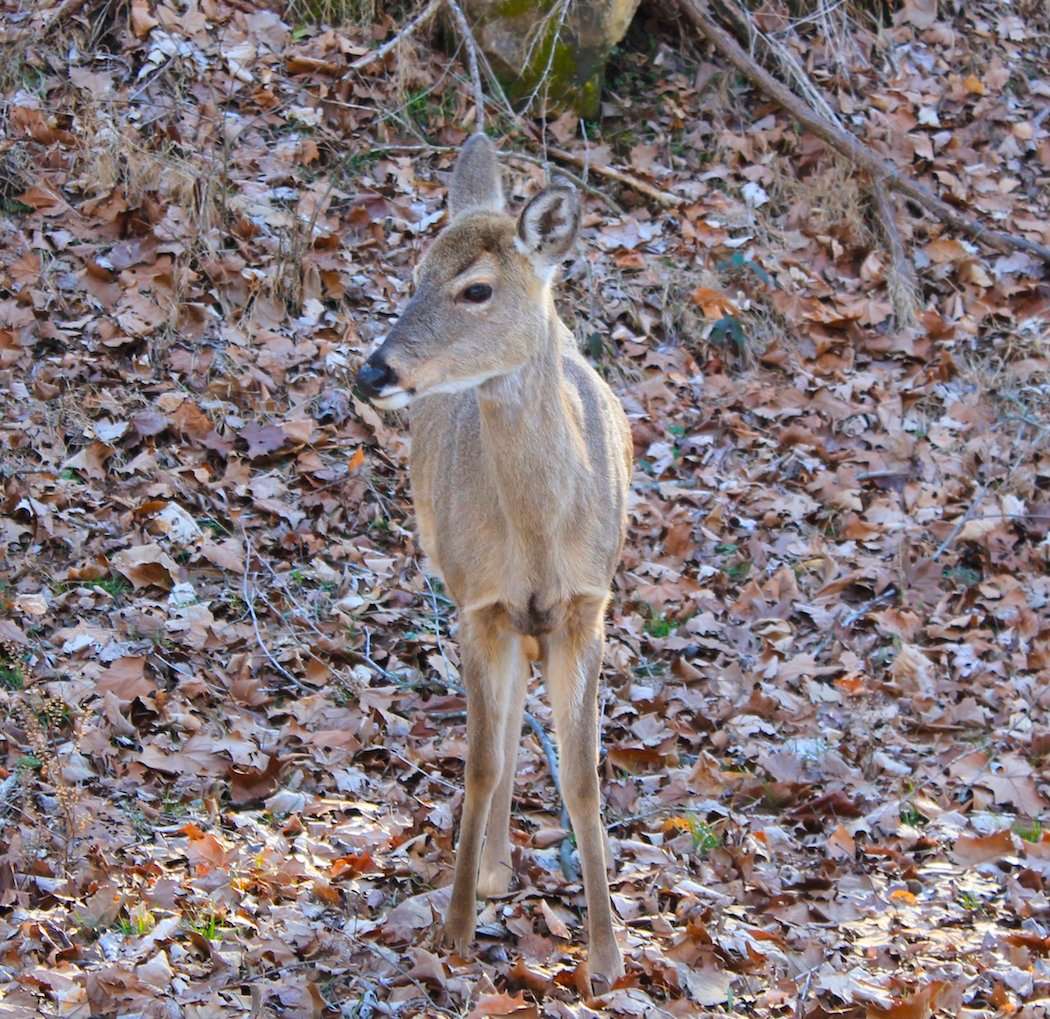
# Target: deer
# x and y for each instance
(520, 466)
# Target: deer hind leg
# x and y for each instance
(496, 871)
(490, 654)
(573, 665)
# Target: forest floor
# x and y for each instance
(232, 734)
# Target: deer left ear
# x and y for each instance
(475, 180)
(548, 225)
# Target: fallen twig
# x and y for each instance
(575, 178)
(53, 16)
(851, 617)
(410, 26)
(568, 865)
(521, 157)
(880, 169)
(463, 27)
(248, 593)
(960, 523)
(901, 283)
(664, 198)
(862, 610)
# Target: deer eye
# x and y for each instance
(476, 293)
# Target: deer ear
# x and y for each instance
(475, 180)
(548, 225)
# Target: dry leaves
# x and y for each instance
(234, 741)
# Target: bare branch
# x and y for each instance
(463, 27)
(900, 276)
(413, 23)
(960, 523)
(664, 198)
(248, 593)
(568, 866)
(880, 168)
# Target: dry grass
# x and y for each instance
(332, 12)
(44, 722)
(830, 201)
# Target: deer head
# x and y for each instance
(482, 302)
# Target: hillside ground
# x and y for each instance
(233, 739)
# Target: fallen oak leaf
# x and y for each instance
(532, 980)
(126, 680)
(554, 923)
(971, 850)
(146, 565)
(227, 554)
(1012, 782)
(415, 913)
(149, 423)
(262, 439)
(833, 804)
(249, 784)
(504, 1005)
(920, 1005)
(354, 865)
(713, 303)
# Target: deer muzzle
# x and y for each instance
(378, 383)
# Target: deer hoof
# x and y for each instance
(605, 967)
(494, 881)
(459, 928)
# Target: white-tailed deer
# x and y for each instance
(521, 459)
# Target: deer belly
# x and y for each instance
(534, 620)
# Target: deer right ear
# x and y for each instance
(548, 225)
(475, 180)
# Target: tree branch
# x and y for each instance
(664, 198)
(900, 276)
(410, 27)
(882, 171)
(463, 27)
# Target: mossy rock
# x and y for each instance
(532, 54)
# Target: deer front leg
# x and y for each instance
(495, 873)
(488, 653)
(574, 659)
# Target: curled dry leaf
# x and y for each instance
(971, 850)
(146, 566)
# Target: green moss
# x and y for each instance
(568, 74)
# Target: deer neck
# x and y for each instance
(531, 436)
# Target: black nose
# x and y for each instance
(375, 375)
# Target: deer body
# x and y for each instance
(505, 509)
(520, 467)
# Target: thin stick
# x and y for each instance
(851, 617)
(900, 278)
(575, 178)
(879, 168)
(463, 27)
(960, 523)
(410, 27)
(544, 77)
(568, 866)
(437, 619)
(664, 198)
(367, 658)
(902, 475)
(886, 596)
(520, 156)
(57, 13)
(249, 601)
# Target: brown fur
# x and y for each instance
(519, 483)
